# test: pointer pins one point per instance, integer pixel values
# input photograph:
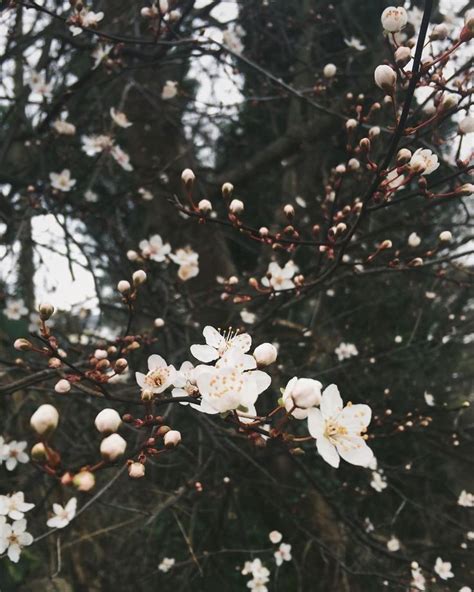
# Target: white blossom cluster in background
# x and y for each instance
(154, 249)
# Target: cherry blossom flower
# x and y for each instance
(91, 196)
(280, 277)
(443, 569)
(63, 514)
(217, 344)
(38, 84)
(166, 564)
(379, 482)
(100, 53)
(154, 248)
(96, 144)
(14, 453)
(300, 395)
(355, 43)
(62, 181)
(64, 127)
(424, 161)
(338, 430)
(231, 39)
(145, 194)
(120, 118)
(345, 351)
(159, 377)
(170, 90)
(86, 18)
(393, 19)
(185, 382)
(122, 158)
(260, 575)
(15, 309)
(13, 537)
(466, 499)
(429, 399)
(466, 125)
(418, 579)
(283, 553)
(187, 259)
(14, 505)
(227, 387)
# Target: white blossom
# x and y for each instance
(14, 505)
(283, 553)
(166, 564)
(345, 351)
(393, 19)
(466, 499)
(13, 537)
(15, 309)
(443, 569)
(418, 579)
(62, 181)
(379, 482)
(121, 157)
(14, 453)
(355, 43)
(170, 90)
(154, 248)
(96, 144)
(338, 430)
(63, 514)
(217, 344)
(159, 377)
(424, 161)
(429, 399)
(231, 39)
(64, 127)
(120, 118)
(280, 277)
(187, 259)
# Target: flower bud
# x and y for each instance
(393, 19)
(403, 156)
(22, 344)
(450, 100)
(120, 365)
(414, 240)
(172, 438)
(136, 470)
(265, 354)
(44, 420)
(439, 32)
(402, 56)
(329, 71)
(63, 386)
(385, 78)
(289, 211)
(132, 255)
(100, 354)
(112, 447)
(353, 164)
(123, 286)
(466, 189)
(445, 236)
(227, 190)
(236, 206)
(263, 231)
(108, 421)
(204, 206)
(45, 310)
(374, 132)
(139, 277)
(38, 452)
(188, 177)
(84, 481)
(351, 124)
(466, 125)
(302, 393)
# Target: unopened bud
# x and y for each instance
(188, 177)
(62, 386)
(204, 206)
(403, 156)
(45, 420)
(84, 481)
(385, 78)
(236, 206)
(265, 354)
(227, 190)
(108, 421)
(112, 447)
(45, 310)
(445, 236)
(139, 277)
(289, 211)
(351, 124)
(136, 470)
(402, 56)
(123, 286)
(120, 365)
(38, 452)
(329, 71)
(172, 438)
(22, 344)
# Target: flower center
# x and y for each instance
(157, 377)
